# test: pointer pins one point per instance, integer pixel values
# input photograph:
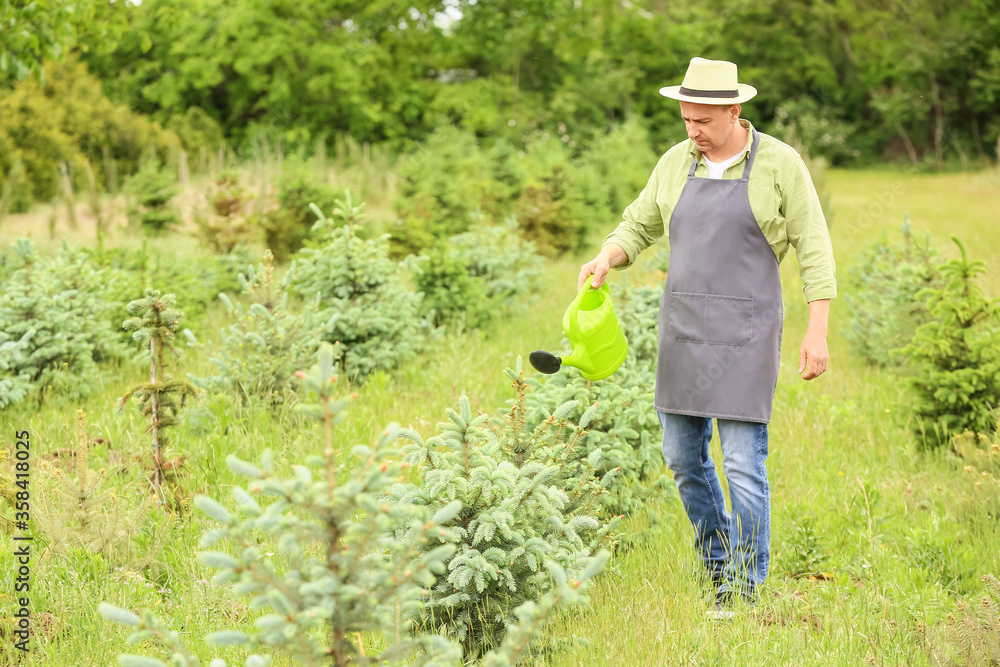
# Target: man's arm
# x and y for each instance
(813, 355)
(642, 222)
(810, 236)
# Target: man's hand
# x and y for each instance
(813, 355)
(610, 255)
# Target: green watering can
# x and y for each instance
(590, 324)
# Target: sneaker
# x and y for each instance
(727, 602)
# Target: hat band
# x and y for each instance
(693, 92)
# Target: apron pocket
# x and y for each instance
(710, 318)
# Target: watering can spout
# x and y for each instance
(595, 334)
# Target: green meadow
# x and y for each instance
(874, 544)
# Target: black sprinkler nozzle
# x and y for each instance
(545, 362)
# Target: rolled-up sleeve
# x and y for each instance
(642, 222)
(808, 233)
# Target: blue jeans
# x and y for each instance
(735, 547)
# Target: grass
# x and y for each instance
(872, 543)
(901, 535)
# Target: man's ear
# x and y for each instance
(734, 111)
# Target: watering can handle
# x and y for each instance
(574, 307)
(586, 287)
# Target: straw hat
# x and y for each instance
(710, 82)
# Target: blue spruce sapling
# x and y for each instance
(154, 325)
(266, 343)
(957, 356)
(516, 515)
(371, 316)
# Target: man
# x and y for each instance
(731, 201)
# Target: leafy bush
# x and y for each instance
(152, 189)
(445, 180)
(70, 120)
(266, 343)
(288, 225)
(196, 130)
(883, 309)
(519, 508)
(957, 356)
(466, 279)
(451, 294)
(620, 163)
(560, 202)
(371, 316)
(56, 319)
(818, 129)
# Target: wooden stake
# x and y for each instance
(95, 200)
(182, 170)
(67, 183)
(13, 176)
(110, 171)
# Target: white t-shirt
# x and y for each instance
(716, 169)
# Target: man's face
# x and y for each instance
(709, 125)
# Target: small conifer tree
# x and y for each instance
(154, 326)
(957, 355)
(55, 315)
(227, 224)
(569, 588)
(617, 412)
(620, 435)
(883, 306)
(971, 636)
(266, 343)
(152, 187)
(370, 314)
(464, 279)
(518, 510)
(75, 510)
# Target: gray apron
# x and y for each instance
(721, 314)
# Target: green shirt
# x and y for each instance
(782, 198)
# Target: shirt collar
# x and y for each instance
(695, 153)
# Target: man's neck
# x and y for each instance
(736, 144)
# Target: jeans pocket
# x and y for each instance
(710, 318)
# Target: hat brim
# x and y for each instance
(744, 92)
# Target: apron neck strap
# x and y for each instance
(753, 154)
